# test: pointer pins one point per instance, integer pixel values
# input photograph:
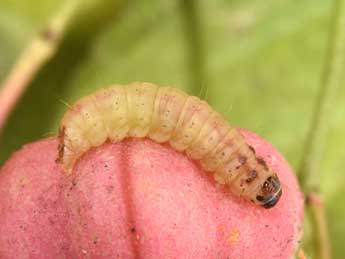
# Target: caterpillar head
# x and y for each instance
(270, 192)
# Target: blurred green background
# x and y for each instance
(258, 61)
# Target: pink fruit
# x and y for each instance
(139, 199)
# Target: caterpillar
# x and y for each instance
(167, 114)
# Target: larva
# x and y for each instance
(166, 114)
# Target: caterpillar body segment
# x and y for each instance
(211, 133)
(192, 118)
(112, 104)
(140, 103)
(166, 114)
(226, 149)
(93, 125)
(72, 140)
(168, 106)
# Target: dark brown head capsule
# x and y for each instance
(270, 192)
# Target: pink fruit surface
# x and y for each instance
(139, 199)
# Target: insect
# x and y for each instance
(166, 114)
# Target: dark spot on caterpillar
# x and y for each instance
(61, 145)
(133, 230)
(241, 183)
(252, 149)
(242, 160)
(251, 176)
(262, 162)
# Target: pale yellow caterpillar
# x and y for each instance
(166, 114)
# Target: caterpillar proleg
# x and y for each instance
(166, 114)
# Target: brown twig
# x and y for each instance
(317, 211)
(39, 51)
(309, 173)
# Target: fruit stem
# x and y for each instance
(309, 173)
(316, 210)
(34, 56)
